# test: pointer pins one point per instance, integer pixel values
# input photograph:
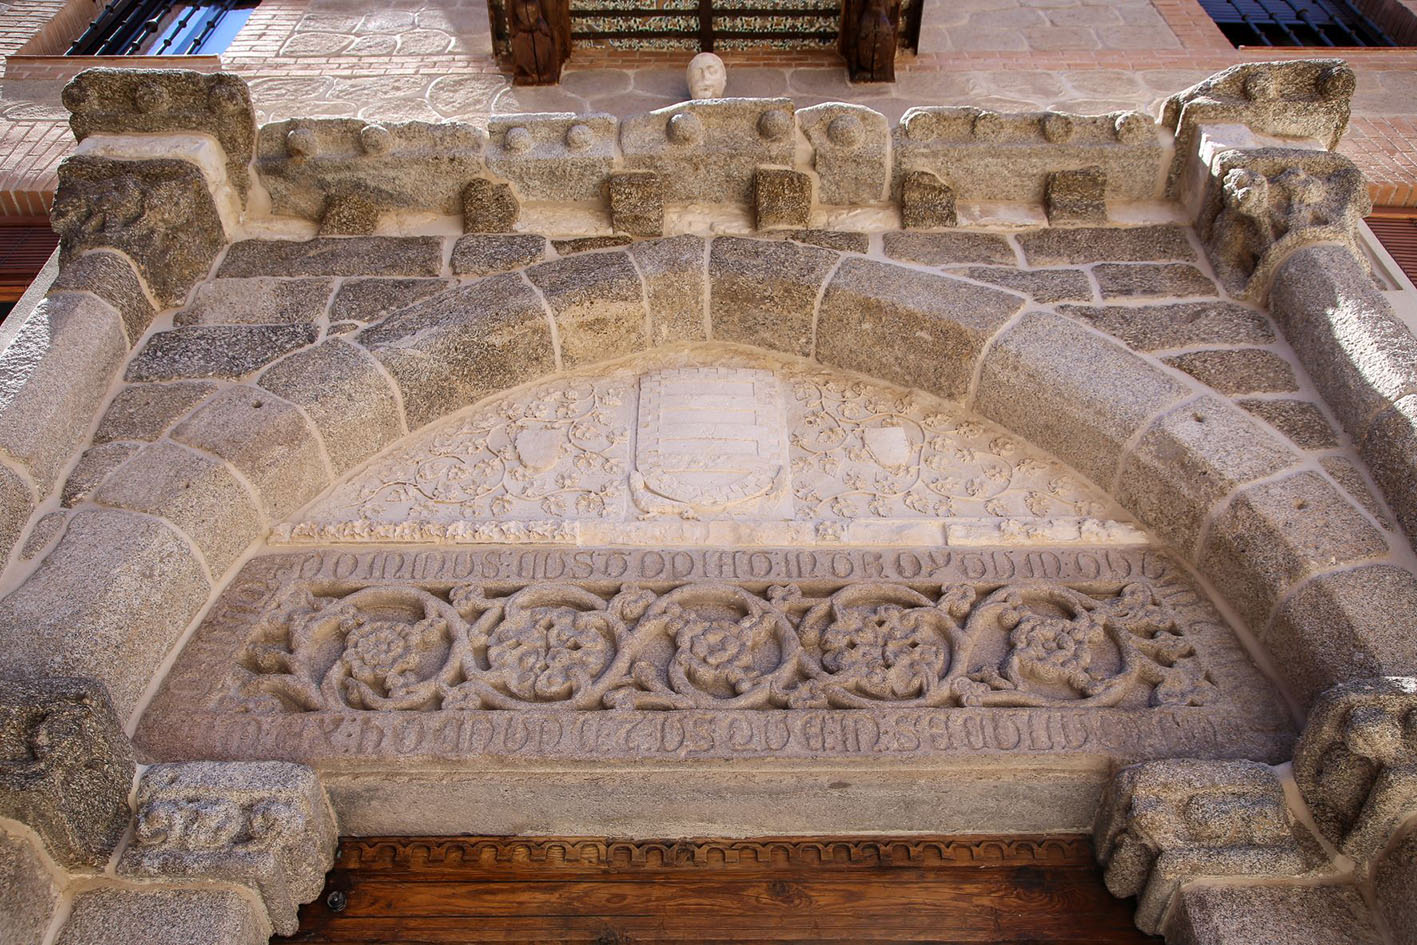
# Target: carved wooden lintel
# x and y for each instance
(869, 32)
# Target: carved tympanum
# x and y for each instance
(562, 645)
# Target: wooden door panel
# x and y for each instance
(421, 891)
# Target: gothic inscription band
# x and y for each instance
(609, 655)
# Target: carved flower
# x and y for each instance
(887, 651)
(549, 653)
(1054, 648)
(719, 653)
(384, 655)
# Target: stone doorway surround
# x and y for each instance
(159, 467)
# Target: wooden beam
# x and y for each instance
(869, 31)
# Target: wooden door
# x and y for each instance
(401, 891)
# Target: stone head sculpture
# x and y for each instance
(707, 76)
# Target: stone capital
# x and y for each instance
(265, 825)
(1164, 823)
(65, 766)
(1356, 763)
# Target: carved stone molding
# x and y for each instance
(265, 825)
(159, 212)
(124, 101)
(1164, 822)
(1356, 763)
(611, 654)
(1306, 98)
(1263, 204)
(65, 766)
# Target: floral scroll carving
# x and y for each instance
(706, 645)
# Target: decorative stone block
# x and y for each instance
(782, 197)
(1164, 823)
(160, 916)
(1085, 417)
(672, 271)
(1178, 325)
(1303, 98)
(1356, 763)
(1076, 196)
(926, 201)
(1260, 205)
(945, 249)
(29, 892)
(597, 302)
(765, 293)
(636, 203)
(489, 207)
(1190, 459)
(334, 256)
(709, 151)
(92, 606)
(230, 352)
(166, 101)
(988, 155)
(111, 276)
(65, 767)
(343, 392)
(470, 342)
(553, 157)
(850, 152)
(1207, 914)
(56, 373)
(1067, 247)
(160, 213)
(260, 300)
(264, 825)
(1273, 535)
(477, 255)
(342, 171)
(264, 437)
(913, 328)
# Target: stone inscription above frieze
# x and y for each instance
(746, 450)
(331, 654)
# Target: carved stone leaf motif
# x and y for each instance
(564, 646)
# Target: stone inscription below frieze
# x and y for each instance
(605, 654)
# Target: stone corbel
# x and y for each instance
(65, 767)
(1356, 763)
(1262, 204)
(1305, 98)
(1164, 823)
(265, 825)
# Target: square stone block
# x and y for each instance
(636, 203)
(158, 916)
(926, 201)
(1076, 196)
(782, 198)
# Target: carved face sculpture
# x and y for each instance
(707, 76)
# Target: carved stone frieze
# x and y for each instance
(709, 151)
(851, 151)
(159, 212)
(1356, 763)
(1164, 822)
(65, 766)
(986, 155)
(308, 163)
(265, 825)
(1264, 203)
(553, 157)
(1306, 98)
(748, 450)
(148, 101)
(1089, 651)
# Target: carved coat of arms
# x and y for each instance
(711, 440)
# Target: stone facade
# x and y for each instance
(993, 472)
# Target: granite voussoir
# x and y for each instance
(598, 303)
(913, 328)
(672, 271)
(765, 293)
(480, 255)
(155, 915)
(1062, 247)
(147, 411)
(1042, 285)
(1152, 281)
(950, 249)
(335, 256)
(94, 466)
(1177, 325)
(1238, 370)
(111, 276)
(267, 439)
(229, 352)
(349, 399)
(368, 300)
(1301, 421)
(259, 300)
